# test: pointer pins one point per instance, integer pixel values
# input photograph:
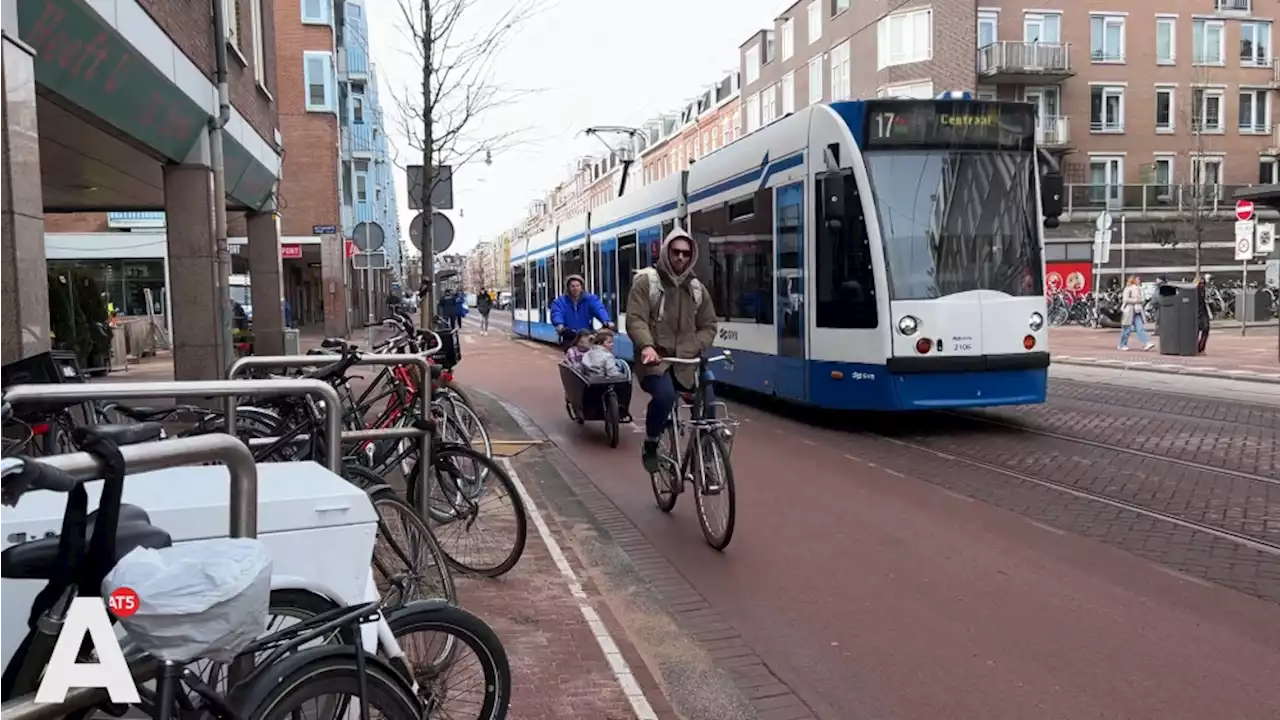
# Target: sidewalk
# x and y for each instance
(1252, 358)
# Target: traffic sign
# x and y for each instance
(1104, 222)
(441, 187)
(368, 236)
(1244, 239)
(441, 232)
(1265, 241)
(1244, 209)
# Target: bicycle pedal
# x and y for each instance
(713, 490)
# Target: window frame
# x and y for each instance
(1105, 20)
(1273, 175)
(788, 38)
(751, 113)
(1200, 105)
(231, 22)
(328, 73)
(1255, 61)
(1170, 161)
(1198, 161)
(1255, 93)
(1041, 17)
(838, 7)
(1172, 22)
(841, 61)
(357, 109)
(816, 88)
(324, 18)
(753, 61)
(787, 86)
(815, 21)
(1172, 92)
(1110, 161)
(768, 105)
(1204, 25)
(885, 54)
(1100, 125)
(991, 18)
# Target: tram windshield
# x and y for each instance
(957, 220)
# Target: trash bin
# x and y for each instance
(1178, 330)
(291, 342)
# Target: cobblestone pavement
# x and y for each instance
(1252, 357)
(865, 582)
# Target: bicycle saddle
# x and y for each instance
(130, 434)
(38, 559)
(142, 413)
(335, 343)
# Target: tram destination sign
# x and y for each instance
(950, 124)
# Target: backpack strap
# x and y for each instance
(657, 293)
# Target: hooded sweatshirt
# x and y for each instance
(577, 315)
(687, 327)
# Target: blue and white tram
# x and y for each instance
(872, 255)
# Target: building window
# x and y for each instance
(987, 93)
(905, 38)
(815, 21)
(840, 89)
(918, 91)
(1162, 176)
(788, 38)
(315, 12)
(752, 110)
(1255, 111)
(1208, 42)
(988, 27)
(1166, 40)
(362, 182)
(1042, 28)
(1106, 178)
(768, 47)
(357, 109)
(769, 105)
(815, 80)
(1206, 171)
(1268, 170)
(1206, 110)
(259, 44)
(1106, 109)
(1165, 109)
(318, 68)
(753, 63)
(231, 18)
(788, 93)
(1106, 38)
(727, 130)
(838, 6)
(1255, 44)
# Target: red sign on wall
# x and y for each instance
(291, 252)
(350, 248)
(1075, 278)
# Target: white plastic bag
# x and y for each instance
(202, 599)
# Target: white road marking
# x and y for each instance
(617, 663)
(1050, 528)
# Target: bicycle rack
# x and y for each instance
(143, 457)
(247, 363)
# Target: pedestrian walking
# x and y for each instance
(1131, 319)
(484, 303)
(1202, 315)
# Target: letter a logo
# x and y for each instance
(87, 615)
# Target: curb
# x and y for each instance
(1205, 372)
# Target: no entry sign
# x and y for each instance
(1244, 210)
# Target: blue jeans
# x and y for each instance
(663, 392)
(1140, 327)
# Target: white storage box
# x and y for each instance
(319, 528)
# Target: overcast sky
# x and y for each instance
(597, 62)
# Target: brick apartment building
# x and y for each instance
(1154, 109)
(109, 105)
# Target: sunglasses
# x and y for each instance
(682, 253)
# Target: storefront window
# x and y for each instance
(124, 281)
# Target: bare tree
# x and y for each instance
(1201, 197)
(464, 50)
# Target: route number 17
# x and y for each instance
(884, 122)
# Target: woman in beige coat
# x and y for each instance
(1131, 319)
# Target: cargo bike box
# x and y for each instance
(597, 399)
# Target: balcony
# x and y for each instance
(136, 220)
(1233, 7)
(1084, 203)
(1053, 131)
(1025, 63)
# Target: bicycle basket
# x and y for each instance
(202, 599)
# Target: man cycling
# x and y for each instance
(574, 310)
(669, 313)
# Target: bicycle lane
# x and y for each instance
(872, 594)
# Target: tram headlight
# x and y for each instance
(908, 325)
(1035, 322)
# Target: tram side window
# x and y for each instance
(626, 267)
(738, 240)
(553, 288)
(518, 287)
(846, 290)
(571, 263)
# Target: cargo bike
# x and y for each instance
(597, 399)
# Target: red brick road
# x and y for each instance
(864, 581)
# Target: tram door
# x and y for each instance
(541, 315)
(609, 275)
(792, 377)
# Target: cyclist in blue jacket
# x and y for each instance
(574, 310)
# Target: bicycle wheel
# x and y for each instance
(666, 482)
(612, 419)
(327, 673)
(488, 695)
(462, 521)
(407, 558)
(714, 458)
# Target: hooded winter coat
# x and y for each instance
(687, 328)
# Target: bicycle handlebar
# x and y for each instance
(21, 476)
(727, 357)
